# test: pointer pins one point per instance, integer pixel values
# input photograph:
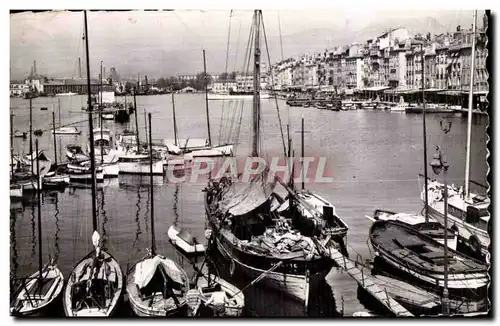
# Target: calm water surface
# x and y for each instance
(374, 156)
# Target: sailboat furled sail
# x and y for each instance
(260, 233)
(95, 285)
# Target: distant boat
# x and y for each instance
(20, 134)
(66, 131)
(185, 241)
(66, 94)
(236, 96)
(133, 163)
(108, 116)
(16, 191)
(82, 172)
(55, 180)
(75, 153)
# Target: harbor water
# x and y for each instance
(374, 157)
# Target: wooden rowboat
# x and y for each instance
(185, 241)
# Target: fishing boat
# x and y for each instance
(95, 285)
(431, 228)
(39, 292)
(82, 172)
(75, 153)
(138, 163)
(400, 107)
(210, 287)
(156, 285)
(261, 234)
(108, 116)
(182, 239)
(67, 131)
(55, 180)
(20, 134)
(422, 258)
(16, 191)
(235, 95)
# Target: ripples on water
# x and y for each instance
(375, 157)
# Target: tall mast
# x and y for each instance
(91, 127)
(31, 135)
(136, 124)
(100, 110)
(302, 153)
(426, 215)
(11, 145)
(469, 116)
(256, 86)
(54, 134)
(173, 116)
(153, 246)
(39, 212)
(206, 97)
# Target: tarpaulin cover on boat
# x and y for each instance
(243, 197)
(145, 270)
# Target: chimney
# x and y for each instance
(104, 72)
(34, 67)
(146, 79)
(79, 68)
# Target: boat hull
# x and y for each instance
(48, 301)
(16, 193)
(110, 170)
(140, 168)
(225, 150)
(465, 232)
(462, 277)
(94, 312)
(295, 286)
(232, 309)
(183, 245)
(214, 97)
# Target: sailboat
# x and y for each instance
(135, 160)
(156, 285)
(95, 285)
(260, 233)
(38, 293)
(467, 212)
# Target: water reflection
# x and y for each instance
(175, 204)
(33, 233)
(56, 236)
(104, 222)
(14, 257)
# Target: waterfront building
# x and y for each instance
(441, 65)
(223, 86)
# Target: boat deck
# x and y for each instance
(420, 251)
(368, 283)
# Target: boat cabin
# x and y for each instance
(474, 213)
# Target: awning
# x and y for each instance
(145, 270)
(243, 197)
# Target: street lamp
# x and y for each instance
(439, 163)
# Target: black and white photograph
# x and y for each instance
(241, 163)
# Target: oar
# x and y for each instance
(259, 278)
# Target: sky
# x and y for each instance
(164, 43)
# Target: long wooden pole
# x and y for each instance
(426, 195)
(100, 114)
(11, 145)
(39, 212)
(153, 246)
(206, 98)
(31, 136)
(175, 122)
(256, 87)
(54, 135)
(469, 116)
(136, 124)
(91, 128)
